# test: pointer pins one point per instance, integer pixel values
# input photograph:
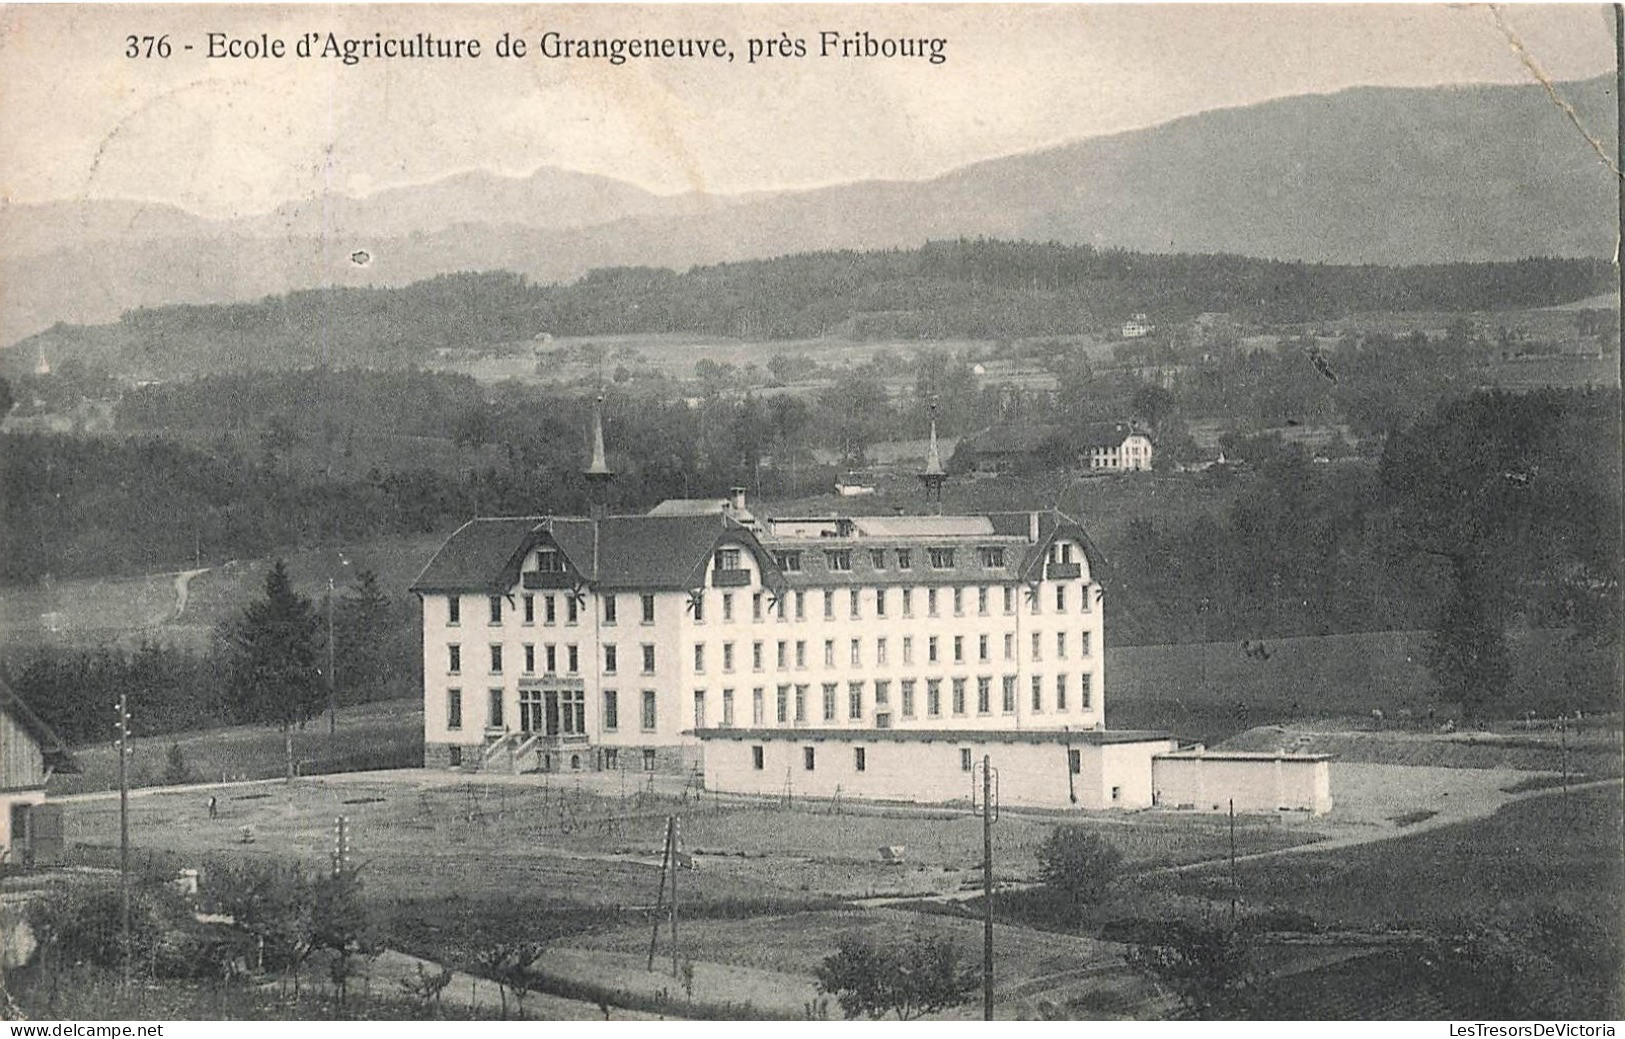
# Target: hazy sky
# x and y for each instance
(78, 119)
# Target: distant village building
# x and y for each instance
(1138, 327)
(1098, 446)
(1115, 447)
(871, 656)
(30, 753)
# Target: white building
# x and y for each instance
(1115, 447)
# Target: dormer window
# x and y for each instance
(727, 559)
(840, 559)
(877, 557)
(789, 562)
(550, 561)
(942, 559)
(992, 556)
(1061, 552)
(905, 559)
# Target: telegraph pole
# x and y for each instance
(1235, 891)
(332, 694)
(676, 831)
(123, 726)
(989, 812)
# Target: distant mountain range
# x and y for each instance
(1367, 175)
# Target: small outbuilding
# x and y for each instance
(30, 753)
(1255, 781)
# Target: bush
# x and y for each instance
(1078, 863)
(82, 925)
(911, 978)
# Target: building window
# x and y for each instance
(756, 606)
(454, 609)
(1060, 692)
(699, 708)
(908, 697)
(1009, 647)
(494, 714)
(882, 693)
(454, 658)
(778, 606)
(757, 706)
(908, 649)
(880, 602)
(454, 757)
(840, 559)
(1061, 552)
(801, 654)
(905, 559)
(959, 602)
(611, 759)
(727, 656)
(981, 601)
(857, 652)
(1009, 704)
(908, 602)
(1009, 600)
(877, 558)
(530, 659)
(856, 600)
(930, 602)
(1060, 598)
(648, 759)
(1083, 644)
(648, 710)
(992, 556)
(496, 609)
(612, 711)
(829, 701)
(854, 700)
(727, 606)
(829, 605)
(808, 759)
(496, 660)
(1060, 645)
(699, 658)
(931, 650)
(789, 562)
(801, 703)
(756, 757)
(454, 708)
(965, 763)
(829, 652)
(1085, 693)
(959, 696)
(572, 656)
(530, 609)
(1074, 761)
(933, 697)
(609, 609)
(959, 649)
(784, 655)
(984, 652)
(942, 559)
(696, 604)
(570, 606)
(1038, 646)
(859, 760)
(552, 653)
(801, 606)
(648, 659)
(550, 610)
(648, 609)
(784, 704)
(756, 656)
(1088, 599)
(880, 650)
(1038, 694)
(728, 559)
(984, 696)
(609, 659)
(1033, 603)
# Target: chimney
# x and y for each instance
(736, 499)
(1032, 528)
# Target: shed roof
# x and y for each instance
(51, 745)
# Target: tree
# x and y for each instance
(1080, 864)
(7, 400)
(175, 770)
(362, 660)
(275, 669)
(341, 924)
(1208, 966)
(917, 976)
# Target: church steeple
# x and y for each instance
(598, 472)
(933, 475)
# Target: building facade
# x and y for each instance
(30, 753)
(581, 643)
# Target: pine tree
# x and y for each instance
(276, 676)
(362, 662)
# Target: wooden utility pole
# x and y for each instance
(332, 692)
(123, 726)
(676, 835)
(1234, 884)
(668, 869)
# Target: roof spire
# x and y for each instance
(598, 472)
(933, 475)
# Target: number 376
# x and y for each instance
(146, 46)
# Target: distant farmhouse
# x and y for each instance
(30, 830)
(1138, 327)
(1096, 446)
(863, 656)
